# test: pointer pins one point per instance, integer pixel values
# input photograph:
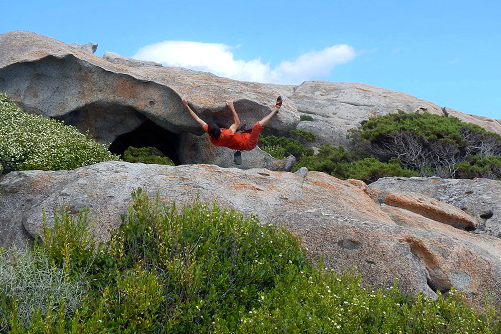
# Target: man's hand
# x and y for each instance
(192, 113)
(230, 104)
(185, 100)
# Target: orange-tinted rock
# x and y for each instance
(431, 208)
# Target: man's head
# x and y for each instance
(214, 130)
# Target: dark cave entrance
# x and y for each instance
(148, 134)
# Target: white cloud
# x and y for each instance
(218, 59)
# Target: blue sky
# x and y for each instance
(446, 52)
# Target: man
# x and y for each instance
(229, 137)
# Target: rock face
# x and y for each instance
(431, 208)
(339, 220)
(480, 198)
(129, 102)
(337, 107)
(124, 101)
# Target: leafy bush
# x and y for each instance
(303, 135)
(479, 166)
(147, 155)
(29, 281)
(370, 170)
(34, 142)
(427, 143)
(213, 262)
(68, 242)
(202, 269)
(338, 162)
(324, 302)
(288, 146)
(327, 160)
(305, 118)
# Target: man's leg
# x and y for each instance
(268, 117)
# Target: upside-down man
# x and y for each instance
(229, 137)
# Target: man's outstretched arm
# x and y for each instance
(192, 113)
(236, 119)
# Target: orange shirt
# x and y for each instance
(237, 141)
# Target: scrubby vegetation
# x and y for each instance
(429, 144)
(35, 142)
(280, 146)
(147, 155)
(345, 165)
(400, 144)
(201, 269)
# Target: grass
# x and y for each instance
(203, 269)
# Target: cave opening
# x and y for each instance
(148, 134)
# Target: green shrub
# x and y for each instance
(147, 155)
(302, 135)
(289, 146)
(328, 160)
(371, 169)
(202, 269)
(305, 118)
(129, 305)
(325, 302)
(35, 142)
(427, 143)
(479, 166)
(213, 262)
(68, 242)
(31, 286)
(338, 162)
(276, 151)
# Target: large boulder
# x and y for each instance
(119, 100)
(338, 107)
(336, 220)
(479, 198)
(431, 208)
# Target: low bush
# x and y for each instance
(427, 143)
(146, 155)
(328, 160)
(202, 269)
(305, 118)
(35, 142)
(325, 302)
(340, 163)
(479, 166)
(302, 135)
(280, 147)
(371, 169)
(213, 262)
(31, 282)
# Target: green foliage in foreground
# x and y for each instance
(199, 270)
(34, 142)
(146, 155)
